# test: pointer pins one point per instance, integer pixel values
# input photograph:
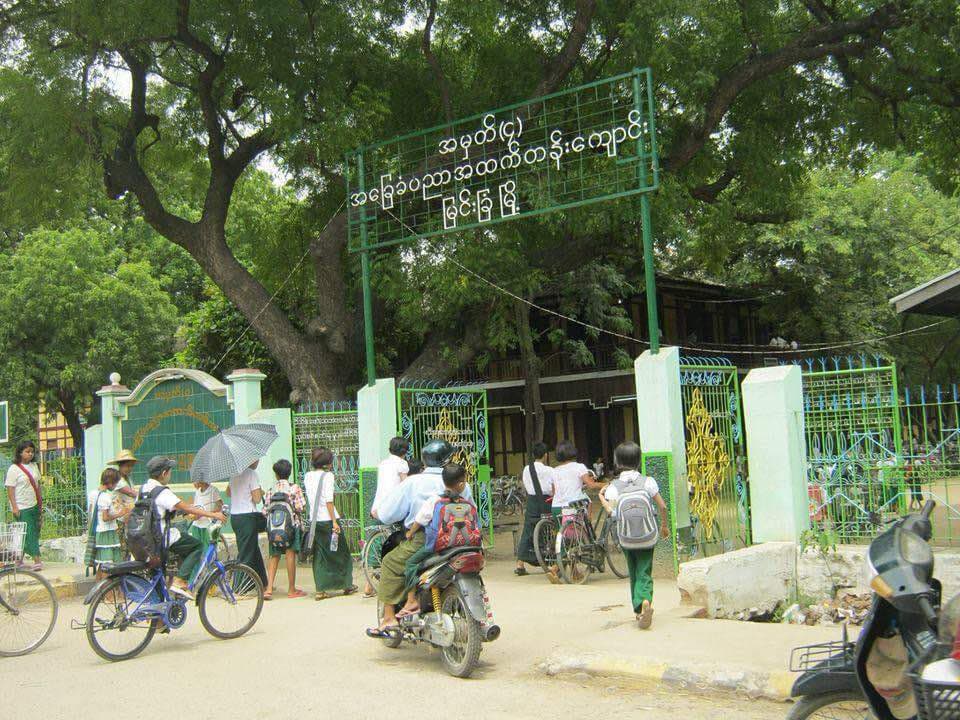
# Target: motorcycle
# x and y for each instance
(455, 614)
(901, 664)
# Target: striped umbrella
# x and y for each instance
(232, 451)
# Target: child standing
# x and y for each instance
(282, 470)
(626, 458)
(207, 497)
(103, 522)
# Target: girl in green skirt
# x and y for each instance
(23, 495)
(639, 562)
(332, 563)
(207, 497)
(103, 521)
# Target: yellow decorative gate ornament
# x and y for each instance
(707, 463)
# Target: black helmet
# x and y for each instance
(437, 453)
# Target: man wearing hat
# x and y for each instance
(184, 546)
(124, 495)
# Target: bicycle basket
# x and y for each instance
(11, 541)
(836, 655)
(936, 700)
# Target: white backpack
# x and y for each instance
(637, 527)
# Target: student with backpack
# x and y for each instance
(284, 513)
(332, 562)
(149, 532)
(630, 499)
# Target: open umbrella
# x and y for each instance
(232, 451)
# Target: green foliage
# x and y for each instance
(824, 542)
(73, 310)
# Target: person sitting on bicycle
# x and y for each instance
(626, 458)
(184, 546)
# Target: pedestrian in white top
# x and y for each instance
(538, 504)
(570, 478)
(245, 494)
(332, 563)
(392, 471)
(626, 457)
(103, 523)
(25, 498)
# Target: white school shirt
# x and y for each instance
(545, 474)
(388, 478)
(205, 500)
(166, 502)
(567, 485)
(649, 484)
(23, 491)
(240, 488)
(327, 489)
(104, 501)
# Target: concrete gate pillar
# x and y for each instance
(376, 423)
(102, 442)
(660, 419)
(247, 398)
(776, 452)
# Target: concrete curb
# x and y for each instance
(769, 685)
(66, 586)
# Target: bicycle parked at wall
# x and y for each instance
(577, 546)
(28, 604)
(132, 603)
(507, 496)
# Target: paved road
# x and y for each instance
(310, 659)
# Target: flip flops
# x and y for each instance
(520, 572)
(268, 596)
(378, 634)
(645, 616)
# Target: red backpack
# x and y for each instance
(455, 524)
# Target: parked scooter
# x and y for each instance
(455, 614)
(901, 667)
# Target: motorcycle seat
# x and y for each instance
(122, 568)
(442, 557)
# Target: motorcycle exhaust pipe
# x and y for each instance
(491, 633)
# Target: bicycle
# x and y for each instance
(28, 604)
(597, 541)
(132, 603)
(507, 496)
(372, 552)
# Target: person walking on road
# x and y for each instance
(282, 469)
(626, 457)
(332, 562)
(25, 498)
(245, 494)
(538, 479)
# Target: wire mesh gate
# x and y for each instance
(716, 459)
(333, 425)
(459, 416)
(852, 427)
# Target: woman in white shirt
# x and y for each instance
(25, 499)
(245, 494)
(626, 457)
(570, 478)
(538, 504)
(332, 563)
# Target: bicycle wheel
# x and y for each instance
(113, 630)
(607, 534)
(544, 543)
(372, 554)
(573, 548)
(28, 611)
(230, 602)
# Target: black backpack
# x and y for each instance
(280, 526)
(145, 529)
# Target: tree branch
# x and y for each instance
(564, 61)
(817, 43)
(435, 63)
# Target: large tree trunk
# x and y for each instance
(315, 371)
(532, 405)
(68, 408)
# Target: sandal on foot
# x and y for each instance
(322, 596)
(645, 618)
(520, 572)
(296, 594)
(350, 590)
(377, 633)
(407, 613)
(268, 596)
(367, 595)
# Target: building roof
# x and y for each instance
(940, 296)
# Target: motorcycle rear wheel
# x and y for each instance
(461, 658)
(841, 705)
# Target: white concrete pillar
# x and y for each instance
(776, 452)
(103, 442)
(376, 420)
(247, 398)
(660, 418)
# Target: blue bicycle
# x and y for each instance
(132, 603)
